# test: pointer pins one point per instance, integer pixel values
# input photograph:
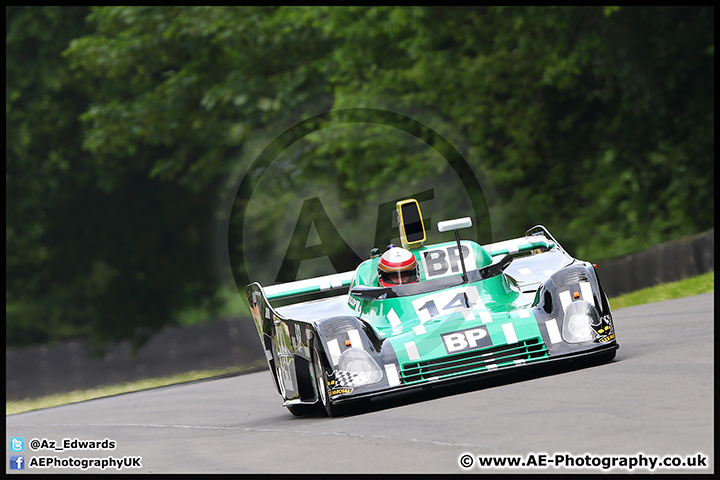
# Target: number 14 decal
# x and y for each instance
(447, 302)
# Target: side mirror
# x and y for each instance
(456, 224)
(410, 223)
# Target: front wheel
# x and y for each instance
(301, 409)
(321, 383)
(607, 356)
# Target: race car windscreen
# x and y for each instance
(412, 223)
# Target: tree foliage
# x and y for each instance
(124, 125)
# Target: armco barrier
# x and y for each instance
(231, 342)
(667, 262)
(64, 367)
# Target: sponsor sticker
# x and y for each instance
(441, 262)
(468, 339)
(339, 391)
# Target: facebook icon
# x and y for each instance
(17, 462)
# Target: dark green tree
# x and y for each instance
(97, 246)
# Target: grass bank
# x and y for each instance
(684, 288)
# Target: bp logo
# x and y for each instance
(469, 339)
(440, 262)
(321, 195)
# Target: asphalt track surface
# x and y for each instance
(655, 400)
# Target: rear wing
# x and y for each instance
(336, 281)
(516, 246)
(536, 237)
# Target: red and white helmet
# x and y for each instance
(397, 266)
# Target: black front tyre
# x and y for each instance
(301, 409)
(607, 356)
(321, 382)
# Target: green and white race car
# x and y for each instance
(421, 315)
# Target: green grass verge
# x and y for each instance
(684, 288)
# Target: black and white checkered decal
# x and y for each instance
(345, 379)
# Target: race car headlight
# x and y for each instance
(360, 366)
(580, 317)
